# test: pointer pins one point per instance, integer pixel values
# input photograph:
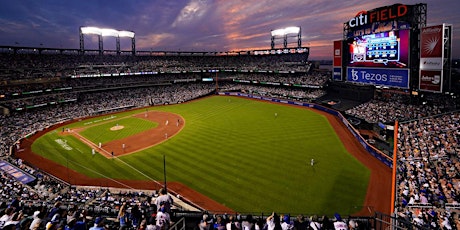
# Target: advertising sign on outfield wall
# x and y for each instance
(379, 76)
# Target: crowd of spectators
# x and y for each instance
(277, 92)
(428, 170)
(65, 84)
(278, 222)
(313, 80)
(61, 86)
(79, 208)
(391, 107)
(25, 66)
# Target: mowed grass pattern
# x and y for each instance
(237, 152)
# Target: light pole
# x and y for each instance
(164, 172)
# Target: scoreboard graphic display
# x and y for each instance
(380, 48)
(388, 49)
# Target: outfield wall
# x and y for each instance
(369, 148)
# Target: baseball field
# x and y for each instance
(247, 155)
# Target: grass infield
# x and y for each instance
(105, 132)
(250, 155)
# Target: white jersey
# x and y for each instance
(340, 225)
(163, 219)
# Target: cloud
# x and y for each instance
(191, 12)
(221, 25)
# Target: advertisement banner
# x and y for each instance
(431, 47)
(15, 172)
(337, 62)
(430, 80)
(385, 77)
(337, 54)
(337, 74)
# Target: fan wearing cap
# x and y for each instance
(54, 222)
(98, 224)
(37, 220)
(339, 224)
(286, 222)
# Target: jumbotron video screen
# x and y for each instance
(388, 49)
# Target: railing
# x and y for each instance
(384, 222)
(179, 225)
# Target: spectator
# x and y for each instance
(163, 219)
(37, 221)
(205, 223)
(164, 200)
(98, 224)
(301, 223)
(248, 223)
(123, 217)
(273, 222)
(314, 224)
(286, 222)
(339, 224)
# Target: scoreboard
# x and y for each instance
(377, 48)
(385, 49)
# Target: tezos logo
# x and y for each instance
(354, 75)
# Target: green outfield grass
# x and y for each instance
(237, 152)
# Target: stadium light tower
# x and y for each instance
(285, 33)
(106, 33)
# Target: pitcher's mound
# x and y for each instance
(117, 127)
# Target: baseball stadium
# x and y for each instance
(246, 139)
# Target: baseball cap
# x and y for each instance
(99, 220)
(338, 217)
(55, 218)
(286, 218)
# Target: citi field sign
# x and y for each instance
(386, 13)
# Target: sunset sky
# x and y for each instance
(196, 25)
